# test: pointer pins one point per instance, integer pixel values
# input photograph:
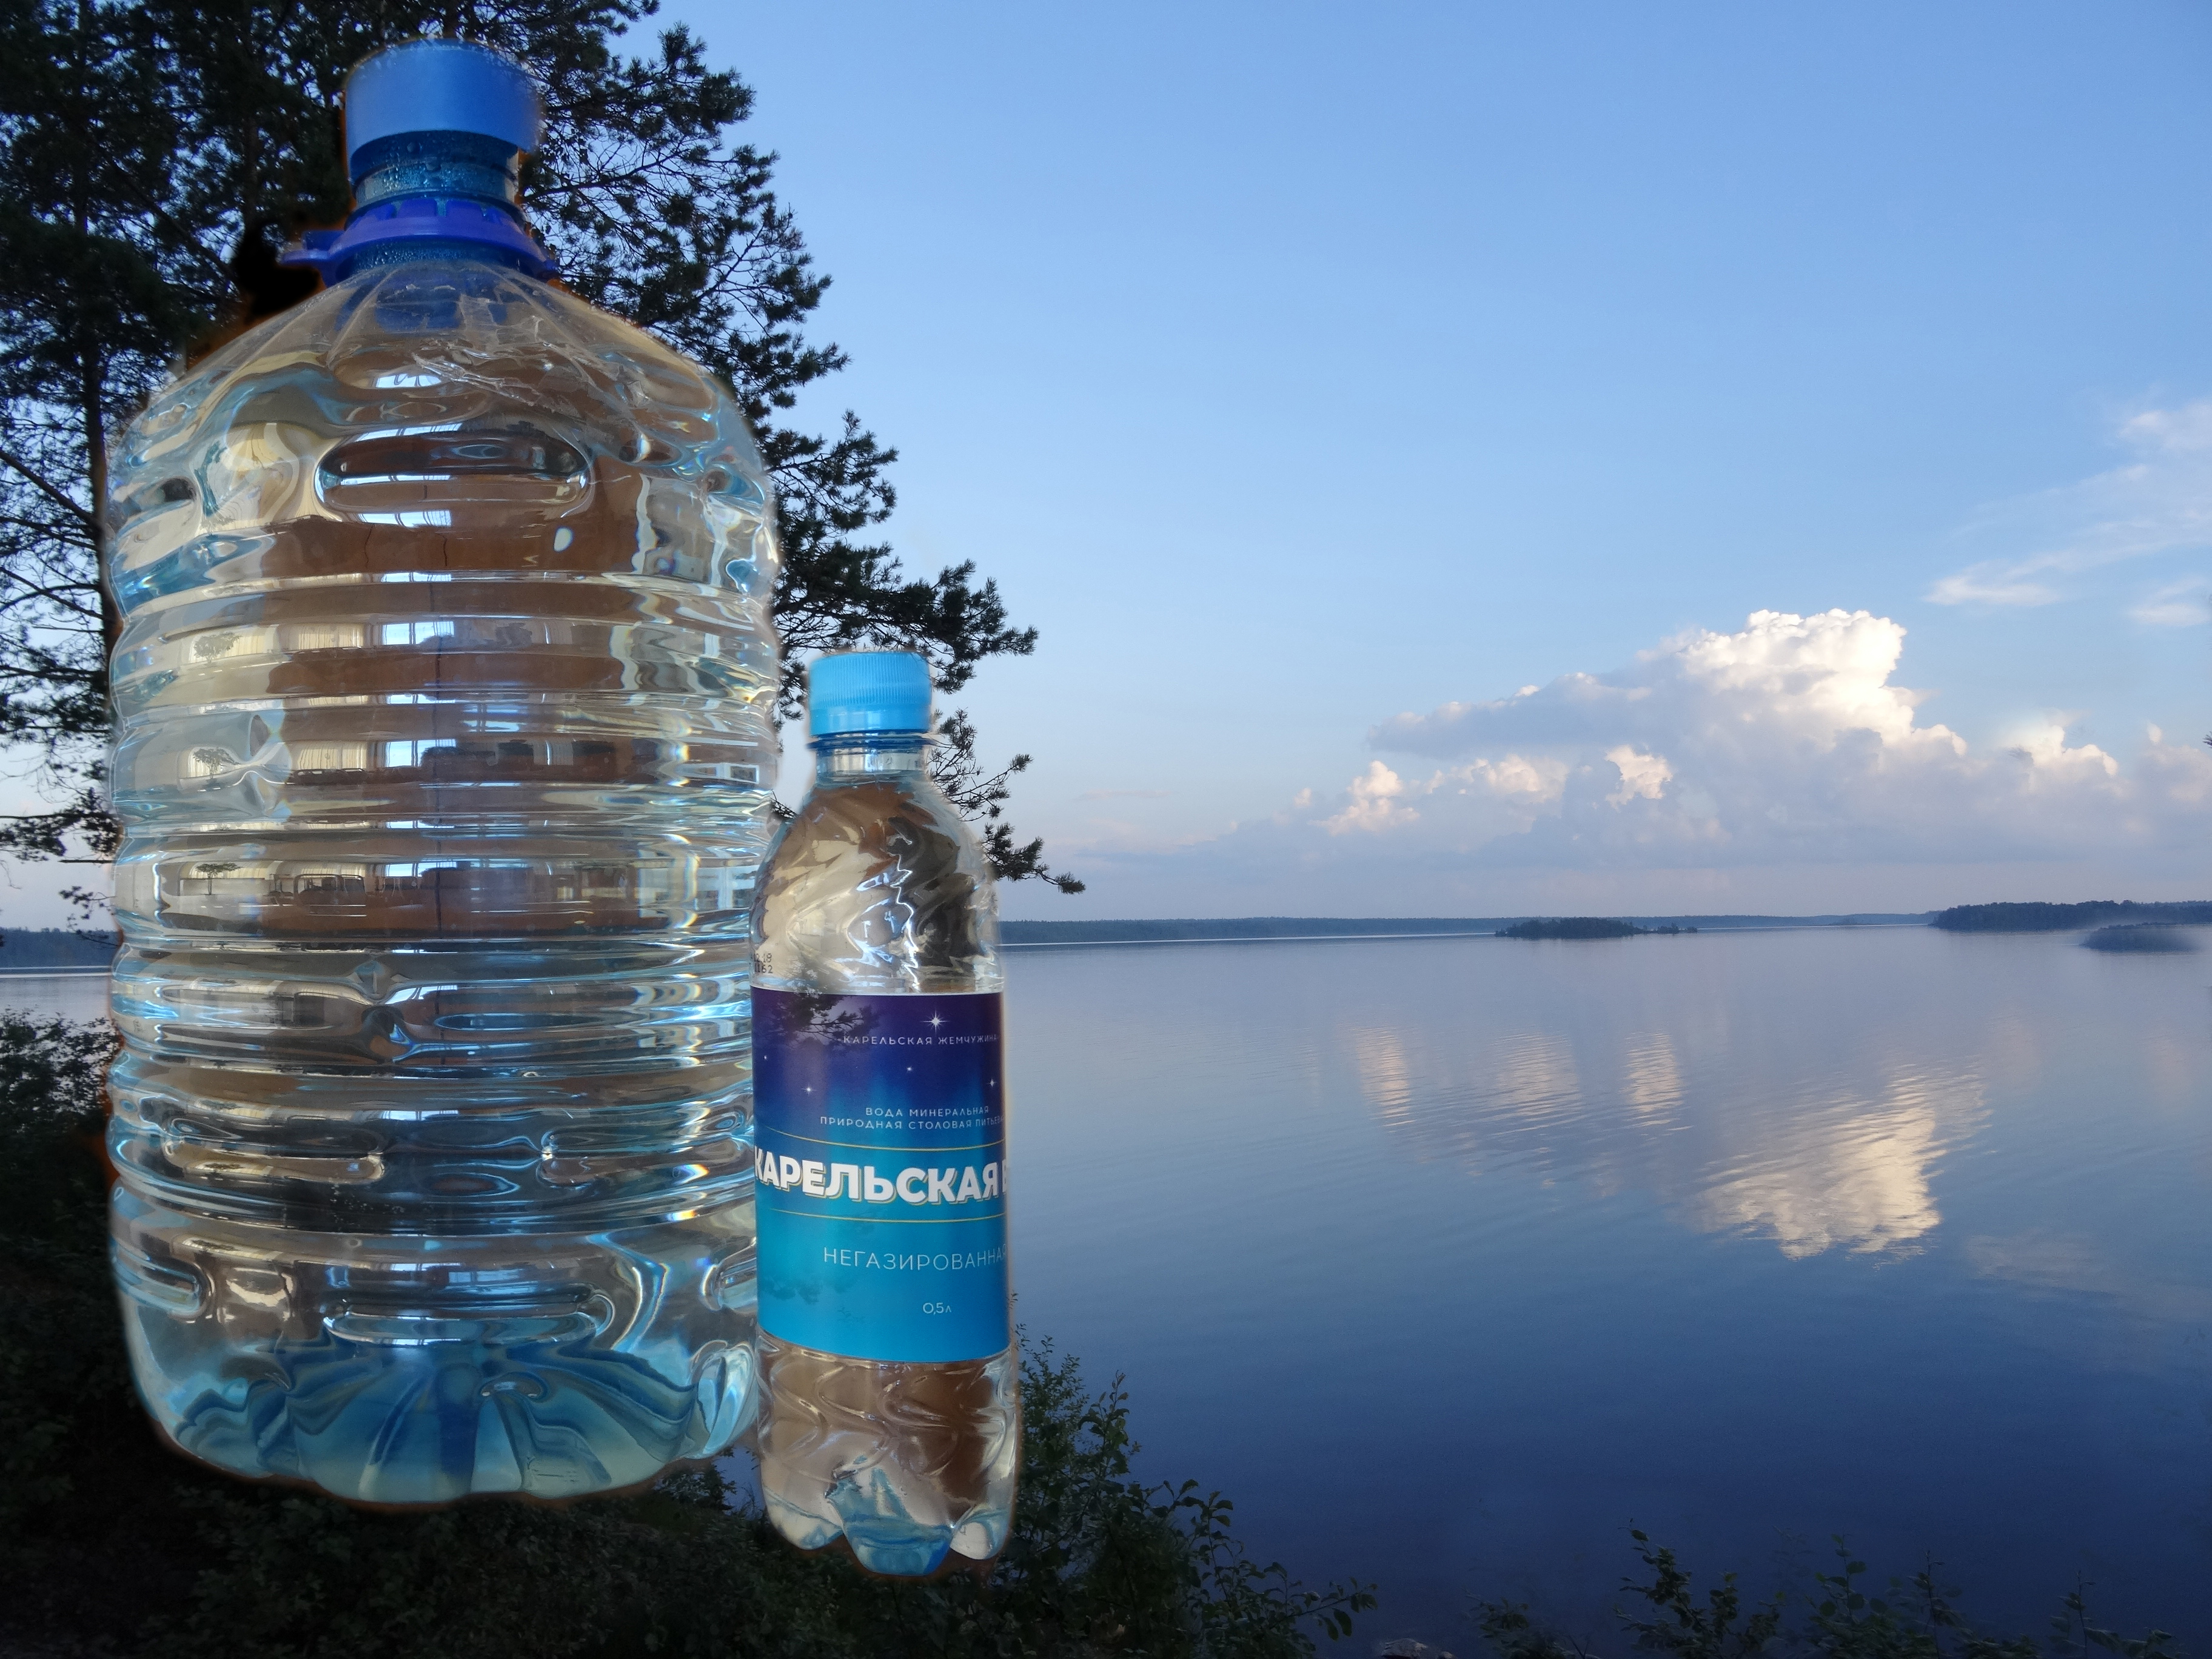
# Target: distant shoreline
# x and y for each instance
(49, 951)
(1056, 943)
(1260, 930)
(55, 952)
(2001, 918)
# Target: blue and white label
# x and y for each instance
(881, 1129)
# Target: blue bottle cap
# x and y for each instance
(442, 85)
(867, 691)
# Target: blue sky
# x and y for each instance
(1298, 368)
(1301, 371)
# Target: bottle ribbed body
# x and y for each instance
(444, 740)
(876, 888)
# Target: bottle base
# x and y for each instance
(873, 1528)
(405, 1372)
(887, 1563)
(911, 1466)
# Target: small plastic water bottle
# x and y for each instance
(445, 697)
(888, 1371)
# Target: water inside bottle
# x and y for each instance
(446, 698)
(877, 887)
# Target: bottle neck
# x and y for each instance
(855, 756)
(429, 196)
(443, 164)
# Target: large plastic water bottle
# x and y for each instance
(888, 1372)
(444, 692)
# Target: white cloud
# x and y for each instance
(1375, 803)
(1788, 741)
(1641, 776)
(2159, 502)
(2177, 604)
(1784, 766)
(1994, 582)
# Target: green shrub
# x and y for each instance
(1839, 1620)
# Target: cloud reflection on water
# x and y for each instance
(1854, 1177)
(1654, 1080)
(1732, 1140)
(2069, 1264)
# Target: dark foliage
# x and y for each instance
(980, 797)
(153, 159)
(1678, 1622)
(2155, 938)
(2061, 918)
(1244, 927)
(1583, 927)
(111, 1544)
(1839, 1618)
(29, 949)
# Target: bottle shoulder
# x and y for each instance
(432, 342)
(516, 428)
(877, 885)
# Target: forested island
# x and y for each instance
(2158, 938)
(1583, 927)
(2064, 918)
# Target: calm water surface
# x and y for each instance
(1450, 1260)
(73, 996)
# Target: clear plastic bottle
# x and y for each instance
(889, 1412)
(444, 696)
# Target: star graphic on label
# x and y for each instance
(936, 1020)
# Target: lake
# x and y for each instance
(1450, 1260)
(73, 996)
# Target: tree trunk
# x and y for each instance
(91, 367)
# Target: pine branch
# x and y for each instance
(980, 797)
(138, 139)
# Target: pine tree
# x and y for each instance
(154, 157)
